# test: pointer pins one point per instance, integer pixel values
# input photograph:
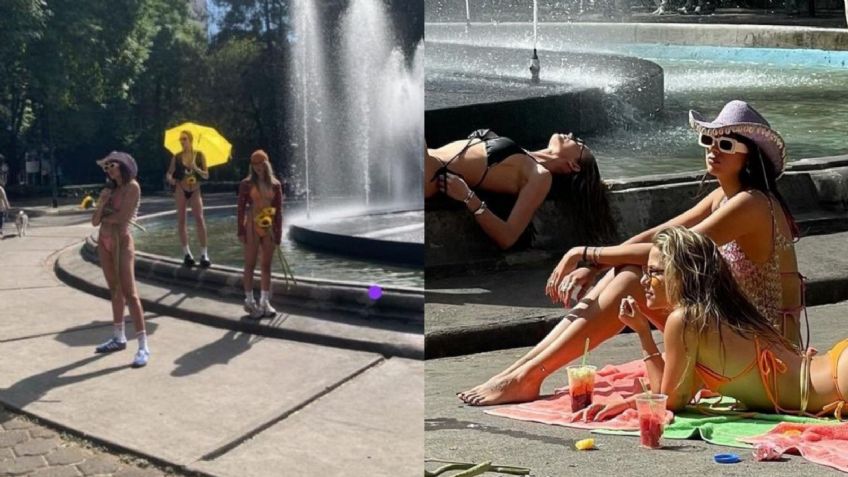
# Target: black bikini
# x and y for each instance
(180, 173)
(498, 148)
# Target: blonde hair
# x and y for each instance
(269, 180)
(699, 281)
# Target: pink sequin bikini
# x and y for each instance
(761, 282)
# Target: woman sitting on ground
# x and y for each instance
(745, 215)
(715, 338)
(486, 161)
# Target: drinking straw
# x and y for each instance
(585, 352)
(644, 386)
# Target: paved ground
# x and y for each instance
(460, 433)
(211, 401)
(28, 448)
(477, 310)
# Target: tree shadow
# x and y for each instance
(221, 351)
(33, 388)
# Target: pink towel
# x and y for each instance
(822, 444)
(613, 383)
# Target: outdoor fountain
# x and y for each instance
(360, 162)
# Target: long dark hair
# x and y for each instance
(584, 198)
(759, 173)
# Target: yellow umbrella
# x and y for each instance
(207, 140)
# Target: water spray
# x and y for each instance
(535, 67)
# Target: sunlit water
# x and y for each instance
(224, 247)
(804, 102)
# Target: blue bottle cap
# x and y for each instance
(727, 458)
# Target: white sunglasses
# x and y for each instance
(725, 144)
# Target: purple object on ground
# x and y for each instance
(375, 292)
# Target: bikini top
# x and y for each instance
(180, 170)
(761, 282)
(498, 148)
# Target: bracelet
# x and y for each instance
(654, 355)
(480, 209)
(597, 256)
(468, 197)
(585, 248)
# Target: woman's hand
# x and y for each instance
(105, 194)
(600, 412)
(557, 281)
(453, 186)
(581, 282)
(631, 315)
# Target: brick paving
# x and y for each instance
(30, 449)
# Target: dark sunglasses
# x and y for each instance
(652, 272)
(727, 145)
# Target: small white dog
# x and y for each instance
(22, 223)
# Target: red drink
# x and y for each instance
(651, 409)
(581, 385)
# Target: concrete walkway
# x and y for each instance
(461, 433)
(487, 311)
(213, 401)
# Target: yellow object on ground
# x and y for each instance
(585, 444)
(210, 142)
(87, 202)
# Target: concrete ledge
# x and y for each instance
(816, 190)
(580, 34)
(405, 253)
(221, 308)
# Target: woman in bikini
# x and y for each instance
(183, 173)
(715, 338)
(260, 229)
(116, 207)
(486, 161)
(745, 215)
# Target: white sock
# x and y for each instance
(204, 253)
(264, 296)
(118, 332)
(187, 250)
(248, 295)
(142, 340)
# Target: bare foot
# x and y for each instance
(515, 387)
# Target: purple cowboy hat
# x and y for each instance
(121, 158)
(740, 118)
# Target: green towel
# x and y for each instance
(720, 429)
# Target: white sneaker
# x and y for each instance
(252, 308)
(141, 358)
(267, 310)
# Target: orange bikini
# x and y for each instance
(769, 367)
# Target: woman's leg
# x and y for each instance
(128, 287)
(107, 263)
(179, 198)
(199, 219)
(251, 249)
(266, 256)
(598, 322)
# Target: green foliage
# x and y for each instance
(82, 78)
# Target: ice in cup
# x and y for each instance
(651, 409)
(581, 384)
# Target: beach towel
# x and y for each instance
(613, 383)
(823, 444)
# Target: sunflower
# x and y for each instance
(87, 202)
(191, 180)
(268, 211)
(264, 221)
